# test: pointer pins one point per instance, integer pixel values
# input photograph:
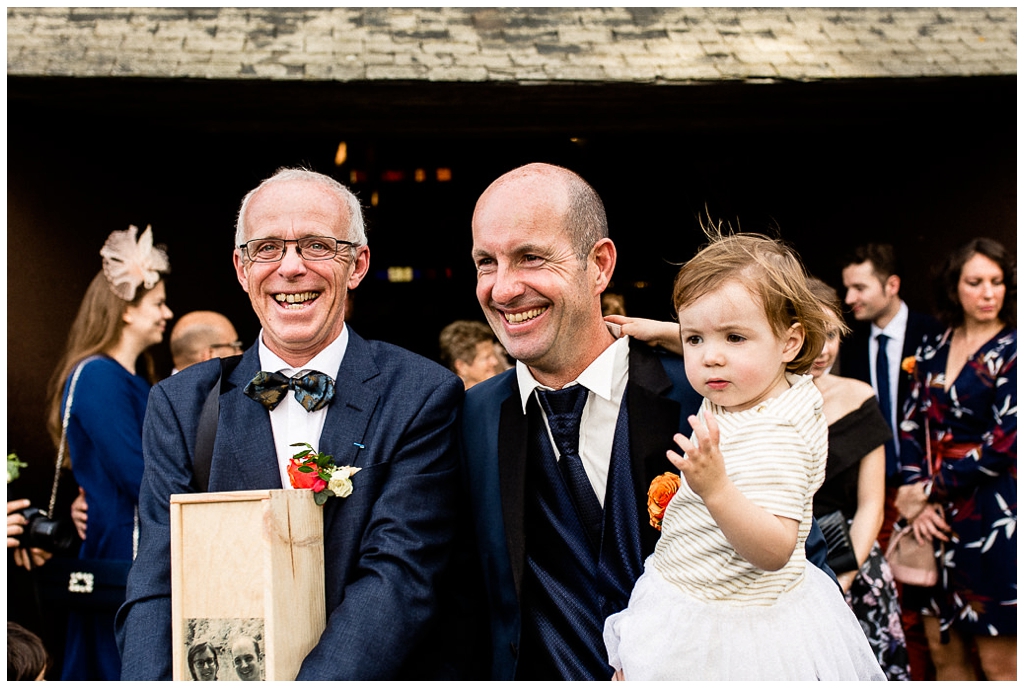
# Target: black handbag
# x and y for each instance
(89, 585)
(841, 557)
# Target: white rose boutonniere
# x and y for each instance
(341, 481)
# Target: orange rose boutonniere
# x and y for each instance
(907, 365)
(663, 488)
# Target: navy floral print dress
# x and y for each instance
(973, 427)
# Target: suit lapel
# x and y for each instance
(653, 420)
(348, 417)
(245, 435)
(349, 414)
(245, 441)
(512, 440)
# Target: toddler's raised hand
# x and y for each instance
(702, 463)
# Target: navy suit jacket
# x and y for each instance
(854, 357)
(384, 545)
(494, 436)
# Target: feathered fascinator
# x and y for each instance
(127, 263)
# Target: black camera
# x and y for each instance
(44, 532)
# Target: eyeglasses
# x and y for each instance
(236, 345)
(308, 248)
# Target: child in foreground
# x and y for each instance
(727, 594)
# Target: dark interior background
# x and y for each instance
(924, 164)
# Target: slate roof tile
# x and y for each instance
(642, 45)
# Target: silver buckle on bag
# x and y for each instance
(80, 581)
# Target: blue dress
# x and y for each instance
(105, 443)
(974, 454)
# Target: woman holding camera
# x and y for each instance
(961, 418)
(122, 315)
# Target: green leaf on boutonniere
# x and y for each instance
(320, 498)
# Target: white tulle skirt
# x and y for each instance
(808, 634)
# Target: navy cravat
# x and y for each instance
(885, 401)
(313, 390)
(564, 411)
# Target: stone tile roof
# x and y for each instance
(536, 45)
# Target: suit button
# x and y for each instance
(515, 650)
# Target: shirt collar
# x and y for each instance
(327, 361)
(603, 376)
(896, 327)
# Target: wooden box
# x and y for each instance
(247, 583)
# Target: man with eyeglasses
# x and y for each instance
(201, 335)
(300, 247)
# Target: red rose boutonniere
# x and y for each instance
(311, 470)
(663, 488)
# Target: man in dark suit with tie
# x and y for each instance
(300, 247)
(560, 451)
(888, 333)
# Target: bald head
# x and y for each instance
(201, 335)
(543, 258)
(543, 189)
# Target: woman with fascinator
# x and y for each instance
(123, 314)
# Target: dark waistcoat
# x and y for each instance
(571, 583)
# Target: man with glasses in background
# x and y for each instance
(201, 335)
(300, 247)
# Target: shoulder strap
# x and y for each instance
(64, 432)
(207, 431)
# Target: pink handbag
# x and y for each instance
(914, 563)
(911, 562)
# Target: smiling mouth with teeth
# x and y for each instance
(296, 300)
(515, 318)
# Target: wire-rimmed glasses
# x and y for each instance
(271, 250)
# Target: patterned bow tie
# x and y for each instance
(313, 390)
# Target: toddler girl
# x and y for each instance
(727, 593)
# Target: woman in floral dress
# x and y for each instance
(964, 399)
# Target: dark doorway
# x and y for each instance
(924, 164)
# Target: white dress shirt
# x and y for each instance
(896, 331)
(605, 380)
(289, 421)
